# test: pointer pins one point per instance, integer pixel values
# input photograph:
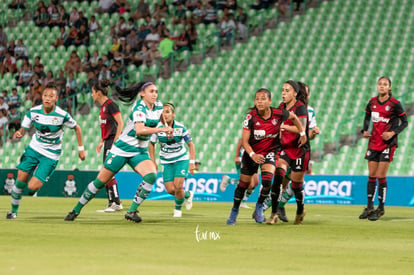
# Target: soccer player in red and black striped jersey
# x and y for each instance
(260, 130)
(388, 120)
(292, 154)
(111, 127)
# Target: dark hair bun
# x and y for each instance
(105, 83)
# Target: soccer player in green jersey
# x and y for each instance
(42, 154)
(174, 158)
(131, 148)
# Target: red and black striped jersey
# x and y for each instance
(108, 123)
(289, 141)
(263, 132)
(385, 117)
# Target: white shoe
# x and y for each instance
(113, 207)
(244, 205)
(224, 182)
(177, 213)
(189, 202)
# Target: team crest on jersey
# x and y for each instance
(55, 120)
(274, 121)
(387, 108)
(177, 131)
(375, 106)
(257, 123)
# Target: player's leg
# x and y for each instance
(285, 196)
(253, 183)
(112, 192)
(297, 187)
(267, 172)
(179, 196)
(382, 190)
(145, 167)
(281, 168)
(226, 180)
(371, 188)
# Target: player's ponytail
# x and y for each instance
(129, 94)
(102, 86)
(302, 95)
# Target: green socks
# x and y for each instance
(16, 195)
(90, 192)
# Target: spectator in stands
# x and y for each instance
(163, 9)
(86, 61)
(3, 123)
(38, 62)
(5, 97)
(116, 75)
(82, 37)
(104, 73)
(62, 37)
(74, 16)
(54, 17)
(191, 5)
(14, 120)
(152, 38)
(17, 4)
(192, 32)
(183, 41)
(73, 64)
(142, 10)
(179, 16)
(42, 19)
(60, 81)
(93, 24)
(210, 14)
(3, 39)
(116, 44)
(8, 65)
(227, 27)
(20, 50)
(142, 56)
(94, 59)
(283, 6)
(198, 13)
(14, 100)
(63, 17)
(38, 72)
(117, 27)
(49, 78)
(143, 31)
(241, 20)
(3, 105)
(82, 20)
(25, 76)
(71, 37)
(128, 55)
(11, 47)
(133, 40)
(105, 6)
(221, 4)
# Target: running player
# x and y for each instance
(42, 154)
(226, 180)
(260, 129)
(111, 127)
(174, 159)
(131, 148)
(292, 155)
(388, 120)
(287, 192)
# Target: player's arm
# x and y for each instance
(191, 149)
(400, 126)
(258, 158)
(141, 129)
(81, 149)
(237, 153)
(151, 151)
(299, 123)
(120, 125)
(99, 146)
(19, 133)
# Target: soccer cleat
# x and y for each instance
(224, 182)
(244, 205)
(273, 219)
(177, 213)
(282, 214)
(376, 214)
(299, 218)
(189, 201)
(113, 207)
(233, 216)
(11, 216)
(258, 213)
(71, 216)
(367, 211)
(133, 216)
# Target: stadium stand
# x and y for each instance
(339, 49)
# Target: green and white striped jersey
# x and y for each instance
(311, 117)
(172, 149)
(129, 143)
(47, 139)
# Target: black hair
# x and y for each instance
(300, 91)
(261, 90)
(169, 104)
(389, 81)
(129, 94)
(102, 86)
(52, 85)
(302, 95)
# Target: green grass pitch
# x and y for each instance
(332, 240)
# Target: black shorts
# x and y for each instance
(249, 167)
(107, 146)
(296, 165)
(380, 156)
